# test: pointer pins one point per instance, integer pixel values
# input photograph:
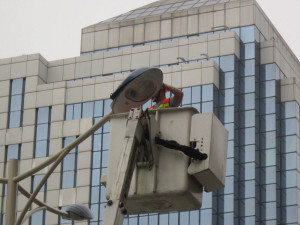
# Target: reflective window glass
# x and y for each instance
(196, 94)
(268, 88)
(38, 218)
(268, 122)
(268, 72)
(207, 107)
(69, 162)
(69, 112)
(247, 34)
(15, 119)
(267, 105)
(98, 109)
(249, 207)
(248, 118)
(104, 158)
(96, 159)
(249, 136)
(173, 218)
(248, 67)
(270, 176)
(101, 128)
(95, 194)
(205, 217)
(95, 211)
(17, 86)
(292, 214)
(163, 218)
(227, 63)
(43, 115)
(248, 101)
(95, 177)
(290, 161)
(105, 142)
(68, 140)
(106, 127)
(249, 189)
(42, 132)
(102, 194)
(228, 97)
(229, 114)
(69, 165)
(87, 109)
(228, 80)
(12, 152)
(248, 51)
(77, 111)
(270, 138)
(289, 143)
(107, 108)
(16, 103)
(247, 84)
(187, 96)
(207, 93)
(229, 185)
(184, 217)
(289, 126)
(102, 209)
(291, 194)
(290, 179)
(41, 149)
(194, 217)
(36, 180)
(68, 179)
(97, 142)
(289, 109)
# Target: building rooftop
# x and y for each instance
(163, 6)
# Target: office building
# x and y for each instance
(227, 58)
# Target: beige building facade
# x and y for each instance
(226, 56)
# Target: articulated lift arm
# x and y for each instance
(115, 208)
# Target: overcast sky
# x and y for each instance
(53, 27)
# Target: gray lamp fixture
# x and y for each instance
(140, 86)
(78, 212)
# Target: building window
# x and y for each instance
(42, 132)
(12, 152)
(16, 102)
(69, 166)
(36, 180)
(38, 218)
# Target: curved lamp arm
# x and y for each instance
(41, 204)
(29, 214)
(63, 153)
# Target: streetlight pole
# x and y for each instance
(13, 179)
(12, 188)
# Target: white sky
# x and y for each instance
(53, 27)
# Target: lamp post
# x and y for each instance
(133, 92)
(77, 212)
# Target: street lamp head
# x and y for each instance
(140, 86)
(78, 212)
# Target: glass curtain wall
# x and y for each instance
(259, 180)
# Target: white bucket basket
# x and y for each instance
(174, 182)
